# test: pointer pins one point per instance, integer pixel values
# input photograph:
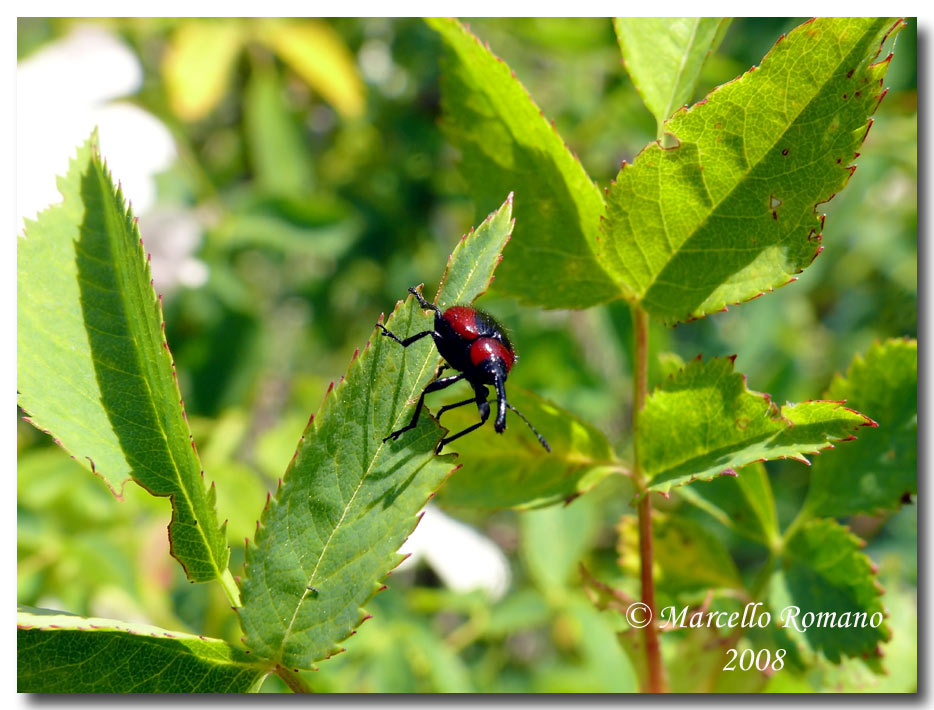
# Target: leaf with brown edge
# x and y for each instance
(880, 470)
(824, 571)
(729, 211)
(703, 422)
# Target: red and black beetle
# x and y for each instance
(473, 343)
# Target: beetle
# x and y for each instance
(472, 342)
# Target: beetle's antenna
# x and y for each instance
(541, 438)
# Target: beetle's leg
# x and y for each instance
(408, 341)
(418, 336)
(423, 303)
(431, 387)
(446, 407)
(480, 397)
(484, 408)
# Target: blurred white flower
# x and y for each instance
(66, 89)
(172, 236)
(62, 93)
(461, 557)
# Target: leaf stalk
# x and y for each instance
(292, 679)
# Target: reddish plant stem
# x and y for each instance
(656, 680)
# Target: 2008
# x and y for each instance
(761, 660)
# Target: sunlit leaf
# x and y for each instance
(321, 58)
(94, 368)
(728, 212)
(198, 65)
(507, 144)
(703, 422)
(664, 56)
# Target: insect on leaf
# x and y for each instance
(349, 499)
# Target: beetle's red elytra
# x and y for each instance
(463, 321)
(485, 348)
(472, 342)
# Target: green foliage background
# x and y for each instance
(325, 212)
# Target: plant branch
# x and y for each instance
(640, 321)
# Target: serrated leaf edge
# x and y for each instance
(776, 412)
(96, 161)
(815, 235)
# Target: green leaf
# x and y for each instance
(595, 663)
(664, 56)
(94, 368)
(507, 144)
(880, 470)
(823, 570)
(512, 470)
(278, 153)
(729, 212)
(554, 540)
(434, 662)
(686, 555)
(349, 500)
(743, 503)
(703, 422)
(62, 653)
